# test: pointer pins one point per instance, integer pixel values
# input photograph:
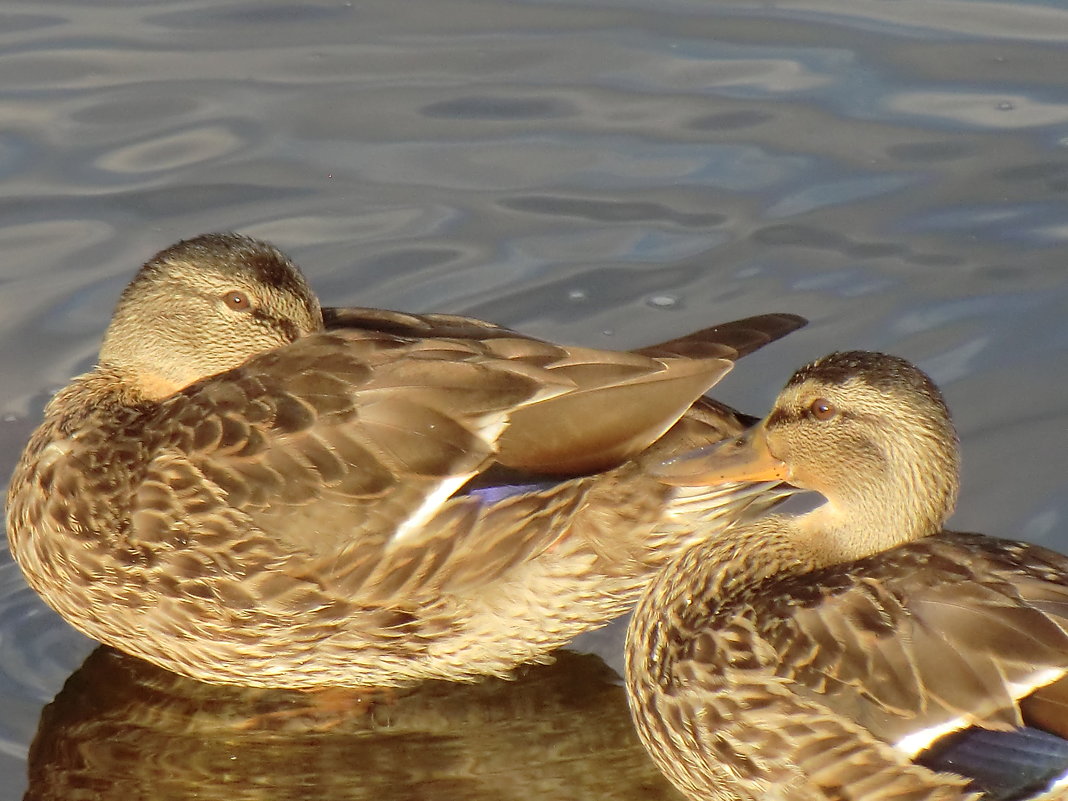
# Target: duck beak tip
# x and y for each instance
(742, 458)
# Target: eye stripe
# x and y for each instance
(287, 328)
(782, 416)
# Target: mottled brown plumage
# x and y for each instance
(246, 493)
(814, 658)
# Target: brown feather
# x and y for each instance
(276, 497)
(815, 657)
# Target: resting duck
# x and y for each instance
(857, 652)
(250, 490)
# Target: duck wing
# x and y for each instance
(406, 324)
(827, 684)
(620, 402)
(347, 444)
(935, 636)
(728, 340)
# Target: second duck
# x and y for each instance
(857, 652)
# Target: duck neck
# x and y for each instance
(905, 502)
(714, 575)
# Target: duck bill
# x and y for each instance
(742, 458)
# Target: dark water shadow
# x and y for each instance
(124, 729)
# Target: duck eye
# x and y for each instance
(822, 409)
(237, 300)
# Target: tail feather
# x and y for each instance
(731, 340)
(1005, 765)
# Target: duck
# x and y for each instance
(250, 489)
(856, 651)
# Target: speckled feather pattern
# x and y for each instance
(760, 668)
(769, 677)
(299, 519)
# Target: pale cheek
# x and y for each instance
(822, 479)
(779, 448)
(806, 479)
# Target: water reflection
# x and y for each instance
(123, 729)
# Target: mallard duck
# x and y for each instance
(858, 651)
(246, 490)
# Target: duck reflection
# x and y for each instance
(124, 729)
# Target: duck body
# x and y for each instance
(810, 658)
(242, 495)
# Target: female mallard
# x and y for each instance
(856, 652)
(243, 497)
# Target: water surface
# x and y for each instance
(605, 173)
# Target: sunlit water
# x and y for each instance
(606, 173)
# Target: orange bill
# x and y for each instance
(742, 458)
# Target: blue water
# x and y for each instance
(607, 173)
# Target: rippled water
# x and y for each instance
(606, 173)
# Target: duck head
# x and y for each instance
(203, 306)
(869, 432)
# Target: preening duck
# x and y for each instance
(250, 490)
(857, 652)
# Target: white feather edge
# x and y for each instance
(489, 429)
(919, 741)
